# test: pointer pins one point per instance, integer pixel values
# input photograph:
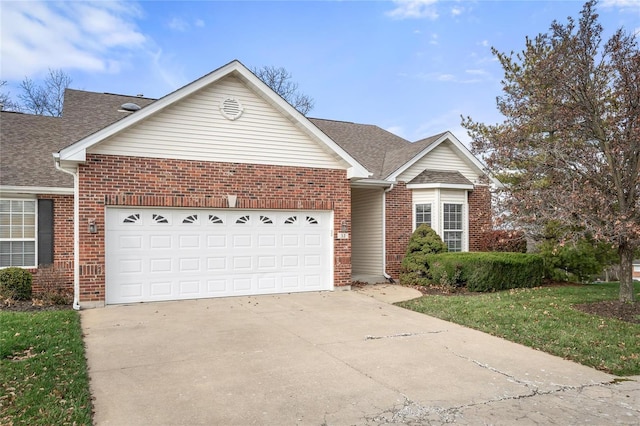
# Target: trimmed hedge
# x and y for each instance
(485, 271)
(15, 283)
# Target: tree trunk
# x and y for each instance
(627, 293)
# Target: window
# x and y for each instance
(423, 214)
(17, 233)
(452, 226)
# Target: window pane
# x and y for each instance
(423, 214)
(17, 222)
(453, 240)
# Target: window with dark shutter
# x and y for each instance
(45, 232)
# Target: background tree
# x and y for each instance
(46, 98)
(570, 143)
(5, 99)
(280, 81)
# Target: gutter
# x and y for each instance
(76, 230)
(384, 234)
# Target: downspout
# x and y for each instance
(76, 231)
(384, 234)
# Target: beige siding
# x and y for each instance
(195, 129)
(366, 230)
(426, 196)
(442, 157)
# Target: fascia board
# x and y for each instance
(439, 185)
(6, 190)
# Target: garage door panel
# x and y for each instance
(156, 254)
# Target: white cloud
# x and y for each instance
(434, 39)
(178, 24)
(457, 10)
(624, 5)
(414, 9)
(199, 23)
(95, 36)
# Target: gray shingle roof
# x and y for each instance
(26, 144)
(28, 141)
(440, 176)
(380, 151)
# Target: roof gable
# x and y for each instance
(450, 152)
(77, 151)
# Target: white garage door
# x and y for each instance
(168, 254)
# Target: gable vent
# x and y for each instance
(231, 108)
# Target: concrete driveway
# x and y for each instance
(340, 358)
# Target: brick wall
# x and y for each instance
(398, 223)
(134, 181)
(58, 277)
(479, 215)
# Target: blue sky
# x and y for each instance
(411, 67)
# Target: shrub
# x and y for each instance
(504, 241)
(15, 283)
(485, 271)
(424, 241)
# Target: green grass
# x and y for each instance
(542, 318)
(43, 372)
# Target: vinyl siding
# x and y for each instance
(426, 196)
(195, 129)
(366, 230)
(442, 157)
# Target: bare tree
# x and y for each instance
(569, 147)
(5, 99)
(280, 81)
(46, 98)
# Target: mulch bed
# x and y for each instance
(629, 312)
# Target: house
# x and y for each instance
(221, 188)
(635, 274)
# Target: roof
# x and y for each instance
(40, 136)
(439, 176)
(85, 113)
(90, 117)
(380, 151)
(76, 153)
(26, 144)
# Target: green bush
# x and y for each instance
(424, 241)
(572, 258)
(15, 283)
(485, 271)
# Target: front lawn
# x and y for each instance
(43, 372)
(543, 318)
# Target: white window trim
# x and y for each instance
(465, 222)
(35, 238)
(415, 214)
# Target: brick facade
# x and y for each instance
(399, 227)
(479, 215)
(399, 222)
(58, 277)
(135, 181)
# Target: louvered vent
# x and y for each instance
(231, 108)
